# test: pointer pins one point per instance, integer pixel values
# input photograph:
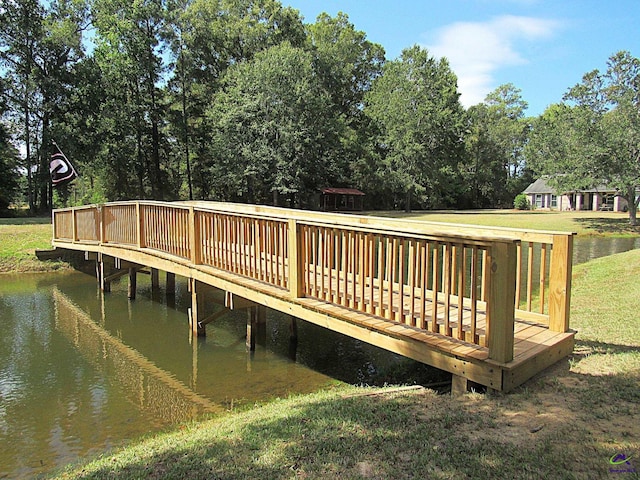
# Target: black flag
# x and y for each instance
(62, 172)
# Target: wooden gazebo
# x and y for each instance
(341, 199)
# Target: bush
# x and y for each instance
(522, 202)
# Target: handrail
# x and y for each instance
(459, 281)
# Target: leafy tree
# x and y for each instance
(347, 64)
(39, 46)
(8, 165)
(272, 128)
(497, 134)
(593, 138)
(416, 103)
(130, 43)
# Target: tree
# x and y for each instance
(347, 64)
(416, 104)
(498, 131)
(593, 138)
(272, 128)
(8, 165)
(39, 47)
(130, 44)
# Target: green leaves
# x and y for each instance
(415, 102)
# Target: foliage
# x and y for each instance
(240, 100)
(593, 138)
(416, 104)
(496, 169)
(521, 202)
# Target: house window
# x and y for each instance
(554, 201)
(539, 200)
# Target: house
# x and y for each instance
(541, 195)
(341, 199)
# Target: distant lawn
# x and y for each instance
(19, 239)
(583, 223)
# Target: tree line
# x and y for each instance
(241, 100)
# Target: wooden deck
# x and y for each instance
(488, 305)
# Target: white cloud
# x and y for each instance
(476, 50)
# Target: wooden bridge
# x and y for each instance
(489, 305)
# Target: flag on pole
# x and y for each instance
(62, 172)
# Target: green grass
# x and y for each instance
(583, 223)
(567, 422)
(19, 239)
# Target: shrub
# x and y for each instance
(521, 202)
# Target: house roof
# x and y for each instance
(541, 186)
(341, 191)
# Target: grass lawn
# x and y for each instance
(19, 239)
(583, 223)
(568, 422)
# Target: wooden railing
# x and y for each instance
(463, 282)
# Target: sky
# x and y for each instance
(543, 47)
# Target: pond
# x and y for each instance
(82, 372)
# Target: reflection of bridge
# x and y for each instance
(151, 388)
(489, 305)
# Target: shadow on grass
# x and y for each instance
(612, 226)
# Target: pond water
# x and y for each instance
(82, 372)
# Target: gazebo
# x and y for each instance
(341, 199)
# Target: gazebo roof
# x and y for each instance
(341, 191)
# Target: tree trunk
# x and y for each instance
(633, 206)
(407, 203)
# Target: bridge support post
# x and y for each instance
(155, 281)
(171, 284)
(252, 327)
(196, 311)
(105, 285)
(459, 385)
(133, 276)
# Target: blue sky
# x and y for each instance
(543, 47)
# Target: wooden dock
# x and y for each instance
(489, 305)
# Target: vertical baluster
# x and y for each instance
(364, 254)
(518, 273)
(422, 279)
(474, 292)
(399, 250)
(382, 248)
(446, 281)
(343, 270)
(543, 274)
(462, 270)
(371, 241)
(530, 277)
(392, 245)
(435, 283)
(353, 251)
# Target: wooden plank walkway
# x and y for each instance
(489, 305)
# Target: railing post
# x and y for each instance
(194, 237)
(501, 299)
(139, 226)
(102, 227)
(560, 283)
(74, 226)
(296, 277)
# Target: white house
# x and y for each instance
(541, 195)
